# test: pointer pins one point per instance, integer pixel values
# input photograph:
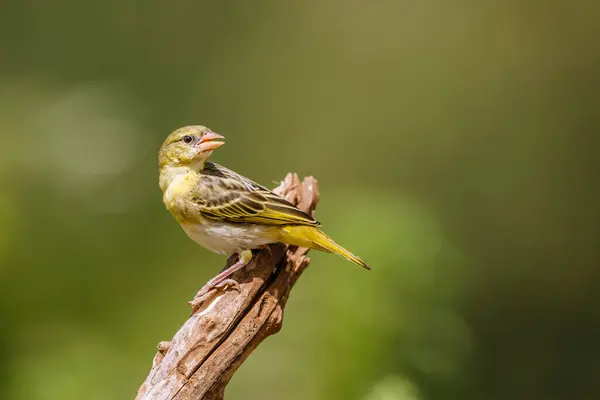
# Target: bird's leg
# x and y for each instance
(222, 280)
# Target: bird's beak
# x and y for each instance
(210, 141)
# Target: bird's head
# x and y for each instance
(189, 146)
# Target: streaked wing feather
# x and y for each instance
(225, 195)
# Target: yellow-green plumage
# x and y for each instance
(313, 238)
(226, 212)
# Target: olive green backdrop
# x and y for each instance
(454, 142)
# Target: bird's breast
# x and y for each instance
(176, 197)
(227, 238)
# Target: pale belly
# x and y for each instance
(225, 238)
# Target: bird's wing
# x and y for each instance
(225, 195)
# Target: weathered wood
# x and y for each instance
(211, 345)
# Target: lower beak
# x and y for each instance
(210, 141)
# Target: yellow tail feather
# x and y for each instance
(313, 238)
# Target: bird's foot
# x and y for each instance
(207, 292)
(220, 281)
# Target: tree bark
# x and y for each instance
(211, 345)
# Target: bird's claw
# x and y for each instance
(232, 284)
(207, 292)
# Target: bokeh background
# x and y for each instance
(454, 142)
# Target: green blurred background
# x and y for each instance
(454, 143)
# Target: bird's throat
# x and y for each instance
(168, 174)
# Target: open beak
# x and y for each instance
(209, 141)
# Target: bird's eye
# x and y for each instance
(188, 139)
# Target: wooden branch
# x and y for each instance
(207, 350)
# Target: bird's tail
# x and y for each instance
(312, 238)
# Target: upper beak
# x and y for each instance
(210, 141)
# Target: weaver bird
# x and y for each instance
(226, 212)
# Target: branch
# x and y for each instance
(207, 350)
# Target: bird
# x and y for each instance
(226, 212)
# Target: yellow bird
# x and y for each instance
(226, 212)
